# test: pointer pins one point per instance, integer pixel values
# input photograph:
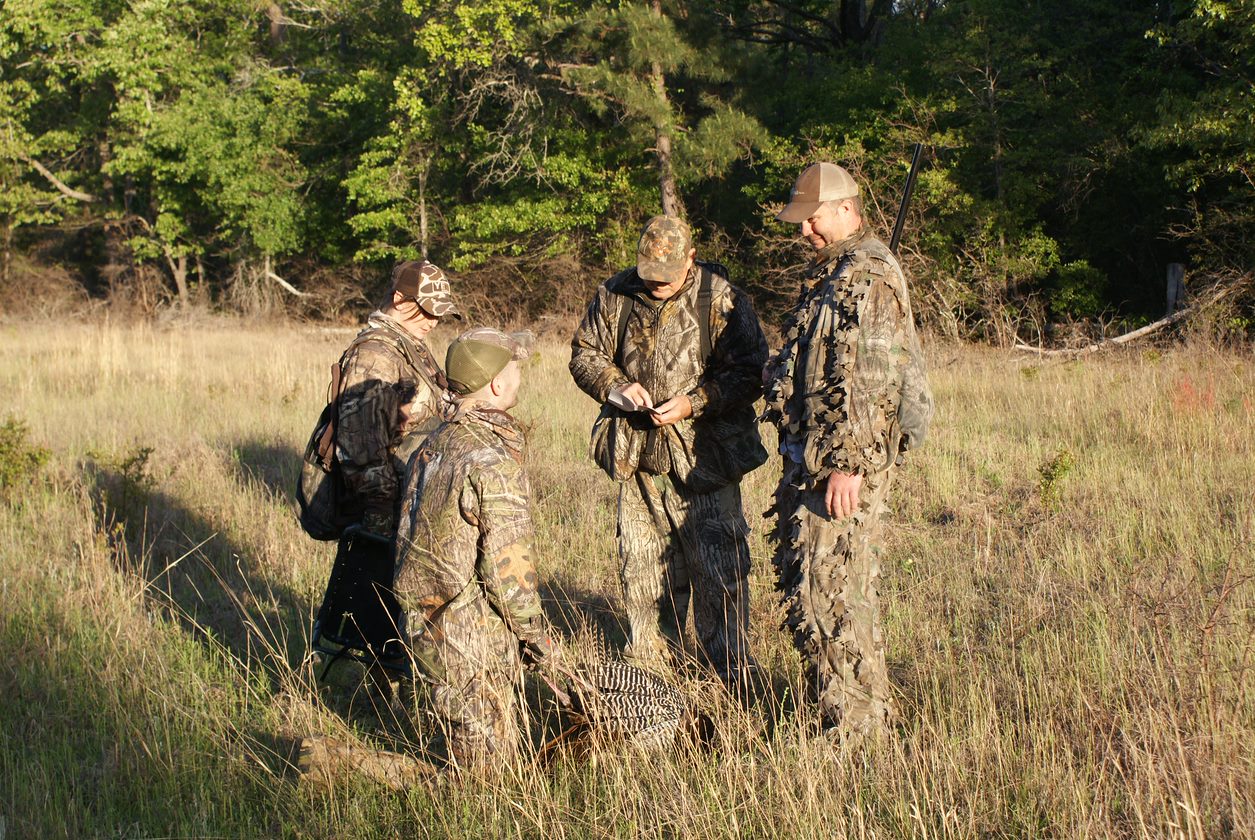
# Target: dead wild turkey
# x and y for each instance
(611, 702)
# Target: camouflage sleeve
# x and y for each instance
(734, 377)
(875, 379)
(423, 407)
(369, 421)
(593, 348)
(504, 565)
(432, 401)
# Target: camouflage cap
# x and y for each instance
(475, 357)
(818, 183)
(663, 251)
(425, 284)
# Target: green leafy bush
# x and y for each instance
(19, 460)
(1078, 291)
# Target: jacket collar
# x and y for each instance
(501, 423)
(836, 251)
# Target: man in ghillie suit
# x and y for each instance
(465, 577)
(674, 352)
(392, 393)
(850, 396)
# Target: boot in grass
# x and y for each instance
(329, 761)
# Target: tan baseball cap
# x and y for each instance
(818, 183)
(662, 253)
(425, 284)
(475, 357)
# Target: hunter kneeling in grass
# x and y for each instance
(465, 577)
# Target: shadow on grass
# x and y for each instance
(214, 588)
(277, 467)
(574, 609)
(92, 745)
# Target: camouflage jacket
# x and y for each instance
(465, 532)
(850, 350)
(662, 349)
(391, 386)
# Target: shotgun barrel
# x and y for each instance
(916, 155)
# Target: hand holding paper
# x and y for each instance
(631, 397)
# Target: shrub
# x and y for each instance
(20, 462)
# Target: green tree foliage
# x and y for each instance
(1206, 123)
(637, 62)
(1073, 148)
(40, 127)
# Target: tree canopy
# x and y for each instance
(235, 148)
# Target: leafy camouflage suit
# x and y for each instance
(834, 389)
(465, 577)
(680, 524)
(392, 392)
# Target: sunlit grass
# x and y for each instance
(1067, 596)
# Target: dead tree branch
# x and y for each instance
(1107, 343)
(62, 187)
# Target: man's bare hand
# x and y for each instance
(673, 411)
(841, 497)
(636, 393)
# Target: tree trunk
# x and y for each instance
(422, 206)
(178, 269)
(278, 26)
(6, 253)
(671, 205)
(117, 264)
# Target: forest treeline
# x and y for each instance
(254, 155)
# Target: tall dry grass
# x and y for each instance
(1067, 596)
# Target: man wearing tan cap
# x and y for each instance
(849, 395)
(673, 352)
(465, 576)
(392, 392)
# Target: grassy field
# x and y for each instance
(1068, 598)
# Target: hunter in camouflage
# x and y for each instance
(465, 576)
(849, 394)
(392, 393)
(677, 429)
(392, 389)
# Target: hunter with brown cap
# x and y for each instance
(392, 393)
(673, 352)
(849, 395)
(465, 576)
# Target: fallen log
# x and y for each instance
(1140, 332)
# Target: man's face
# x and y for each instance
(666, 291)
(832, 222)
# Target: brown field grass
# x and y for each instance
(1067, 595)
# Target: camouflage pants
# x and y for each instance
(470, 663)
(676, 546)
(827, 573)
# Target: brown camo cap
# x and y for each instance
(475, 357)
(663, 250)
(426, 284)
(818, 183)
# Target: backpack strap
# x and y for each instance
(614, 285)
(327, 440)
(705, 296)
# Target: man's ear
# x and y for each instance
(494, 385)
